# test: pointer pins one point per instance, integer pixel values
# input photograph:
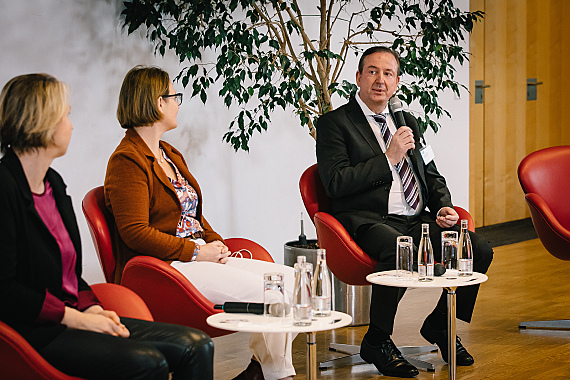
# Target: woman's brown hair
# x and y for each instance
(140, 91)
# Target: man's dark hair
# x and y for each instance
(378, 49)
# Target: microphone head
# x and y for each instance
(438, 269)
(276, 309)
(395, 104)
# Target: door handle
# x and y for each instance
(480, 87)
(531, 92)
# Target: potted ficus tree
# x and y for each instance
(291, 54)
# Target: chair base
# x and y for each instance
(354, 358)
(560, 324)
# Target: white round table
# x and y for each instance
(259, 324)
(449, 282)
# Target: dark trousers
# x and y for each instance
(379, 241)
(152, 351)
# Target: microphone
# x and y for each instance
(397, 109)
(438, 269)
(275, 309)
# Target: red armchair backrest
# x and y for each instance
(546, 172)
(345, 258)
(545, 177)
(313, 192)
(101, 223)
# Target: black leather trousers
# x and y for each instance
(152, 351)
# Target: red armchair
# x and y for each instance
(341, 248)
(169, 295)
(345, 258)
(19, 360)
(545, 178)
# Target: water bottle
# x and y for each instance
(465, 251)
(425, 256)
(321, 289)
(302, 310)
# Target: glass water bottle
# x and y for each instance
(425, 256)
(302, 294)
(321, 290)
(465, 251)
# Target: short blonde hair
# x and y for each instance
(31, 107)
(140, 91)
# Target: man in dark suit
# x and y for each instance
(362, 159)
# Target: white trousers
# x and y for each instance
(241, 280)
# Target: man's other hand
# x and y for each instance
(447, 217)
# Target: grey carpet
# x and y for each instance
(508, 233)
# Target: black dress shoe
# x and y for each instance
(252, 372)
(387, 359)
(440, 338)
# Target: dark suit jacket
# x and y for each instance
(30, 259)
(145, 205)
(356, 173)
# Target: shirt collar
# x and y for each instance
(367, 111)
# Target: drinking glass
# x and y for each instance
(404, 257)
(449, 244)
(274, 297)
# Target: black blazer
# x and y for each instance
(356, 173)
(30, 258)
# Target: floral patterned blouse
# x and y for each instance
(188, 197)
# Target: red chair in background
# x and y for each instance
(545, 178)
(19, 360)
(169, 295)
(346, 260)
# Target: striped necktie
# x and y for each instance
(409, 183)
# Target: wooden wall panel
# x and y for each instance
(521, 39)
(505, 122)
(476, 116)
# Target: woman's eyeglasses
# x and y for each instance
(177, 97)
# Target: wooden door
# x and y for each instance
(517, 41)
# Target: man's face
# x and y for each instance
(378, 81)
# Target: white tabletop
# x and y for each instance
(258, 323)
(389, 278)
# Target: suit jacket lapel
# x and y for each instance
(356, 116)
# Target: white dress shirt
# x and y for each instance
(396, 199)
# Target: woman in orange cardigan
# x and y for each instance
(157, 206)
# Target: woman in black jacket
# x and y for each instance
(42, 294)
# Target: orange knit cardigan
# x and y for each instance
(145, 205)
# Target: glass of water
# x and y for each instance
(449, 245)
(274, 297)
(404, 257)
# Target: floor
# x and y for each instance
(525, 283)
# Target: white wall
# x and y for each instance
(253, 195)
